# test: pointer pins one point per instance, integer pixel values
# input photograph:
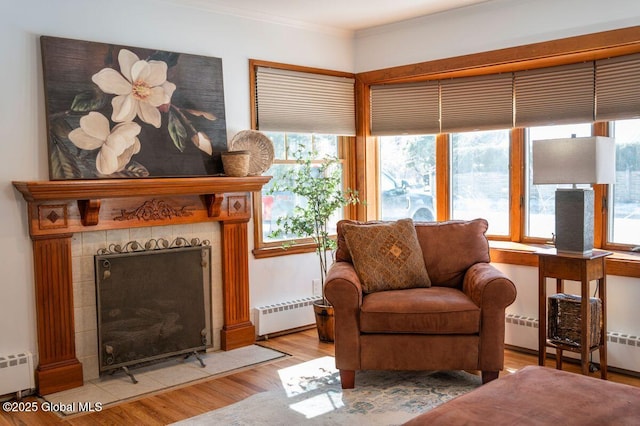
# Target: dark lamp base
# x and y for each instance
(574, 220)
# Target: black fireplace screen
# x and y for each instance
(152, 304)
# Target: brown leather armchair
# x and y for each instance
(455, 324)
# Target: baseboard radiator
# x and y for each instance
(284, 316)
(16, 373)
(612, 336)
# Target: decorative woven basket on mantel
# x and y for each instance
(564, 319)
(236, 163)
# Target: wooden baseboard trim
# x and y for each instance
(59, 378)
(237, 337)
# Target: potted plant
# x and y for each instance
(317, 187)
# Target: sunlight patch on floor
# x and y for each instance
(319, 404)
(310, 375)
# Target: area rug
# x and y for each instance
(311, 394)
(169, 374)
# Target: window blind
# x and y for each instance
(555, 95)
(477, 103)
(398, 109)
(618, 88)
(301, 102)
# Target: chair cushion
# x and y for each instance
(434, 310)
(450, 248)
(387, 255)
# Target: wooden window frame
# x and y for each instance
(518, 250)
(346, 153)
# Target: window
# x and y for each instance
(588, 79)
(298, 107)
(278, 204)
(480, 178)
(407, 177)
(624, 209)
(540, 199)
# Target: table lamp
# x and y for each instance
(584, 160)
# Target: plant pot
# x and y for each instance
(324, 321)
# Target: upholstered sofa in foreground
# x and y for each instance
(451, 319)
(540, 396)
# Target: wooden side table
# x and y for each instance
(584, 269)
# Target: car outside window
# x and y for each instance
(407, 176)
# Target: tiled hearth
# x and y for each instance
(85, 245)
(174, 372)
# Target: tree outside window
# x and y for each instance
(624, 211)
(480, 178)
(280, 203)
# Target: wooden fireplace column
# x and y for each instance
(58, 209)
(58, 364)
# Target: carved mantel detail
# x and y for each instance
(58, 209)
(153, 210)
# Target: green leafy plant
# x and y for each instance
(319, 184)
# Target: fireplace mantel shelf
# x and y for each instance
(117, 188)
(58, 209)
(90, 195)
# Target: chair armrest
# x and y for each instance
(344, 292)
(488, 287)
(343, 287)
(492, 291)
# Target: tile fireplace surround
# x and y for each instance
(58, 209)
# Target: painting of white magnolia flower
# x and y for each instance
(125, 112)
(141, 87)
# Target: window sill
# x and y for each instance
(266, 252)
(621, 263)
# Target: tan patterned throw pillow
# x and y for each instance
(386, 255)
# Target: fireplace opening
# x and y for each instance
(153, 302)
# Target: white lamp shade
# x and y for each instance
(586, 160)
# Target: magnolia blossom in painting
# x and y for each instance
(140, 88)
(117, 145)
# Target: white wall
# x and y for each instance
(157, 24)
(144, 23)
(488, 26)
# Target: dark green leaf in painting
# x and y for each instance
(87, 164)
(69, 162)
(59, 128)
(108, 58)
(133, 170)
(89, 100)
(177, 131)
(62, 165)
(171, 58)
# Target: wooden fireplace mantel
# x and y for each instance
(58, 209)
(115, 188)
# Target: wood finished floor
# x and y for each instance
(190, 400)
